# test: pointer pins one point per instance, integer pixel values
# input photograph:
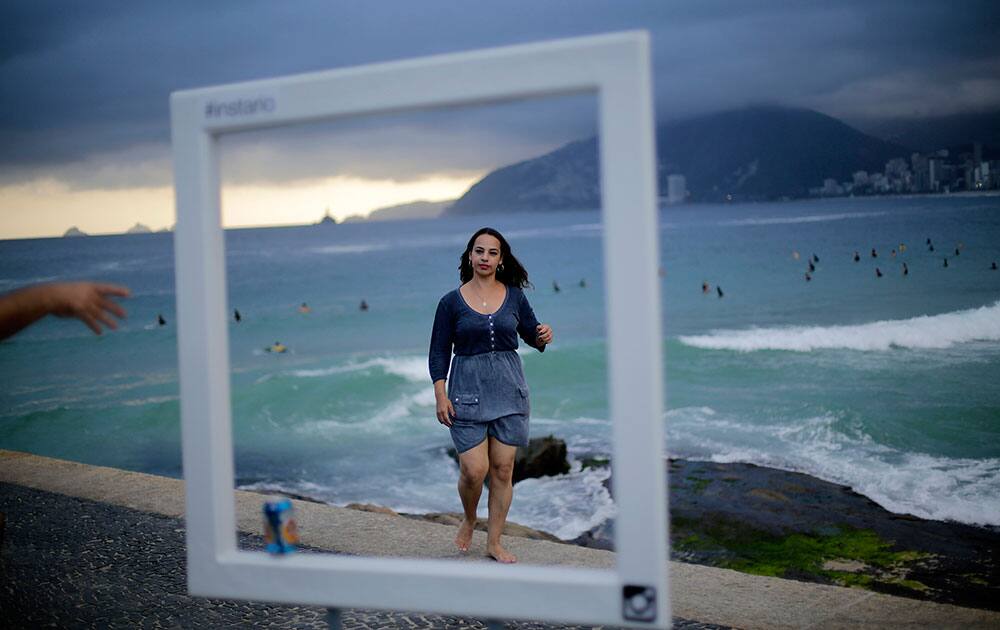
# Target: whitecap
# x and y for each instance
(411, 368)
(358, 248)
(811, 218)
(151, 400)
(401, 414)
(924, 332)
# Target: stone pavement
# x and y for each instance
(99, 572)
(73, 563)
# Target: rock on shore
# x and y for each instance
(543, 457)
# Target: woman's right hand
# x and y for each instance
(445, 412)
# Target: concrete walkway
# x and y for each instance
(706, 594)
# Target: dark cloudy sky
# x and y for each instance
(84, 86)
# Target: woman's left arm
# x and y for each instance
(534, 334)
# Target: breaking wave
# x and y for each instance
(924, 332)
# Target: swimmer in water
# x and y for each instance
(555, 287)
(946, 263)
(878, 272)
(363, 306)
(906, 270)
(957, 252)
(583, 283)
(928, 240)
(277, 348)
(812, 267)
(705, 287)
(304, 308)
(160, 320)
(874, 253)
(994, 266)
(808, 277)
(902, 247)
(237, 316)
(857, 256)
(718, 290)
(893, 253)
(930, 247)
(815, 258)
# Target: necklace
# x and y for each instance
(479, 296)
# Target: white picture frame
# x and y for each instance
(616, 69)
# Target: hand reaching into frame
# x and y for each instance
(90, 302)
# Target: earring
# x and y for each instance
(500, 267)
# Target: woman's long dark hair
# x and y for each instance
(510, 272)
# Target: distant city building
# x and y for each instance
(676, 189)
(982, 176)
(968, 168)
(935, 172)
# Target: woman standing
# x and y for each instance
(486, 402)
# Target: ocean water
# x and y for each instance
(888, 385)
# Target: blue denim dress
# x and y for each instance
(486, 378)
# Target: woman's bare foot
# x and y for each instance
(464, 537)
(500, 554)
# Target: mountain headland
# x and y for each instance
(754, 154)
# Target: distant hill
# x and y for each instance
(766, 152)
(565, 179)
(755, 153)
(138, 228)
(412, 210)
(74, 231)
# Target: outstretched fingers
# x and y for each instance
(90, 322)
(112, 289)
(106, 319)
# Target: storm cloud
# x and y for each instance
(84, 87)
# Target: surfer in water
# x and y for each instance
(718, 290)
(159, 320)
(857, 257)
(878, 272)
(906, 270)
(237, 316)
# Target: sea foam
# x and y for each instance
(411, 368)
(924, 332)
(929, 486)
(810, 218)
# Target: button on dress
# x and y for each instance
(486, 378)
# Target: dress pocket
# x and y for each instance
(466, 406)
